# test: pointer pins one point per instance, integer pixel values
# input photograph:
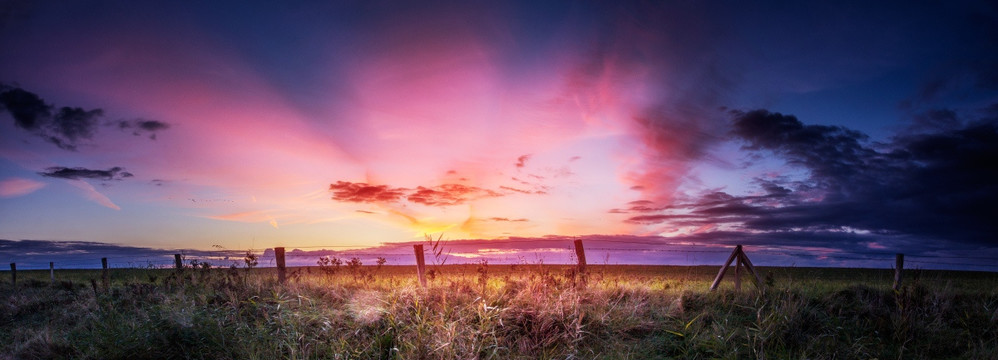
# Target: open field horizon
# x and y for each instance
(602, 250)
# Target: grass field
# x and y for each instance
(497, 312)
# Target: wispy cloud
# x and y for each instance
(505, 219)
(522, 161)
(96, 196)
(140, 127)
(18, 187)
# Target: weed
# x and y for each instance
(489, 311)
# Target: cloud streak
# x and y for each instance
(15, 187)
(92, 194)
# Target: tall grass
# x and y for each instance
(497, 312)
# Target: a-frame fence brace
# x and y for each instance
(741, 259)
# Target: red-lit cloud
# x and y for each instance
(360, 192)
(441, 195)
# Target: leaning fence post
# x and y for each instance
(13, 273)
(738, 273)
(52, 271)
(179, 263)
(104, 277)
(899, 262)
(738, 255)
(420, 264)
(724, 268)
(279, 254)
(751, 270)
(580, 253)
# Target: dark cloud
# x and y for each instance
(940, 185)
(837, 157)
(30, 112)
(140, 127)
(78, 173)
(73, 124)
(68, 126)
(65, 128)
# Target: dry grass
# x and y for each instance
(497, 312)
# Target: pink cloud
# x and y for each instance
(15, 187)
(92, 194)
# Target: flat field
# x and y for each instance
(497, 312)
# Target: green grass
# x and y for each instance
(498, 312)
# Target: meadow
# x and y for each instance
(484, 311)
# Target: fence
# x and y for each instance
(576, 253)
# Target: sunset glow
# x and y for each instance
(367, 124)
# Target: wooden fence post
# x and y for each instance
(179, 263)
(738, 274)
(751, 269)
(52, 271)
(420, 264)
(279, 254)
(13, 273)
(724, 268)
(899, 266)
(104, 276)
(580, 253)
(738, 255)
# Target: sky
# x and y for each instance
(804, 129)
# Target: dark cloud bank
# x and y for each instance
(924, 189)
(36, 254)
